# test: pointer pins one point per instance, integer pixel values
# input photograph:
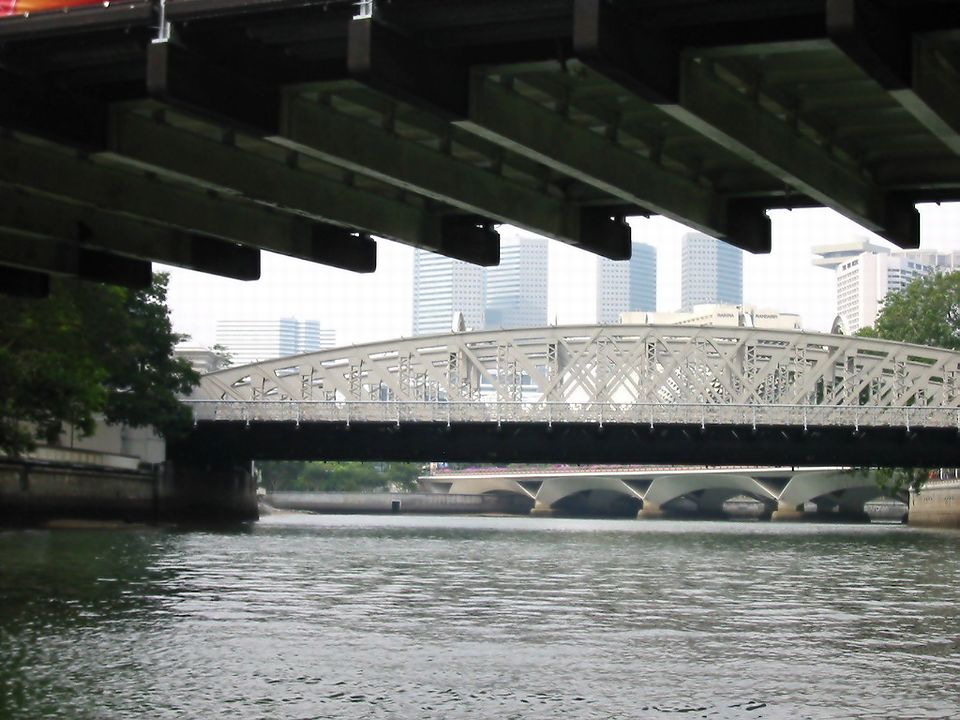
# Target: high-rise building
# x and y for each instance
(866, 273)
(601, 289)
(643, 278)
(443, 289)
(711, 272)
(249, 341)
(516, 289)
(613, 289)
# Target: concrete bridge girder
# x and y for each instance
(481, 485)
(811, 485)
(555, 489)
(665, 488)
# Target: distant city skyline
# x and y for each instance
(364, 308)
(247, 341)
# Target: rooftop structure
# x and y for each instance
(744, 316)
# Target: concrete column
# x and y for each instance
(540, 508)
(787, 513)
(206, 493)
(650, 510)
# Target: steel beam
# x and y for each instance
(749, 226)
(180, 77)
(522, 126)
(908, 68)
(360, 147)
(645, 62)
(97, 230)
(23, 283)
(156, 146)
(120, 16)
(69, 174)
(53, 257)
(383, 58)
(738, 124)
(35, 105)
(470, 239)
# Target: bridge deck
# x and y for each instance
(290, 126)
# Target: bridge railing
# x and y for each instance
(591, 412)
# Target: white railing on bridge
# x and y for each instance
(598, 413)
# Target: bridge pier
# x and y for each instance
(786, 512)
(650, 511)
(542, 509)
(206, 493)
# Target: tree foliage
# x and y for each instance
(926, 312)
(89, 349)
(338, 476)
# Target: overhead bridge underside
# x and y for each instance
(200, 134)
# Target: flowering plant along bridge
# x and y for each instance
(595, 394)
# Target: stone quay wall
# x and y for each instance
(936, 505)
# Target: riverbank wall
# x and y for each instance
(381, 503)
(62, 484)
(937, 504)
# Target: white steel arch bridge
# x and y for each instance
(732, 385)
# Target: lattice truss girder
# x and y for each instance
(609, 364)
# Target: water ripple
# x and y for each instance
(396, 617)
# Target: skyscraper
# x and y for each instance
(613, 289)
(516, 289)
(711, 272)
(866, 273)
(643, 278)
(442, 288)
(249, 341)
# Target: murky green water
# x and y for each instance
(407, 617)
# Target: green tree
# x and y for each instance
(85, 350)
(338, 476)
(926, 312)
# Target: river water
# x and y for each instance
(472, 617)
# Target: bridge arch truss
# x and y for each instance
(639, 375)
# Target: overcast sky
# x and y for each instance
(379, 306)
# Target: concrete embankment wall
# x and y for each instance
(397, 503)
(66, 484)
(936, 505)
(37, 490)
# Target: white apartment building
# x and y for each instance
(250, 341)
(444, 289)
(866, 273)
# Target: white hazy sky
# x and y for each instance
(379, 306)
